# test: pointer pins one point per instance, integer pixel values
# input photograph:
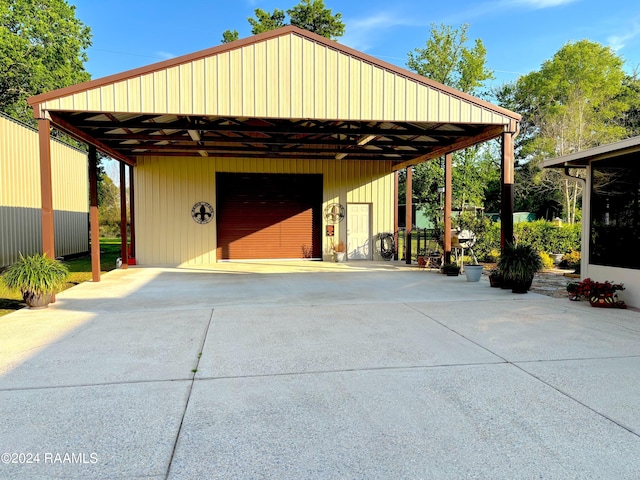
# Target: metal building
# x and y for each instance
(20, 199)
(275, 146)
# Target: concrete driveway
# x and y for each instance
(316, 370)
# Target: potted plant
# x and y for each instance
(37, 277)
(518, 264)
(473, 272)
(451, 269)
(339, 251)
(495, 278)
(599, 294)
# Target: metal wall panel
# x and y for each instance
(260, 80)
(20, 200)
(272, 80)
(168, 187)
(285, 76)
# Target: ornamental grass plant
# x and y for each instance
(35, 275)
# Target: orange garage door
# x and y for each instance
(268, 216)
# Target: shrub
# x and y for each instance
(547, 261)
(519, 263)
(571, 259)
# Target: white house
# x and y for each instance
(611, 213)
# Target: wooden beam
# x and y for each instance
(408, 216)
(94, 223)
(395, 214)
(276, 155)
(132, 214)
(285, 127)
(46, 188)
(507, 183)
(65, 126)
(123, 216)
(448, 187)
(488, 134)
(256, 148)
(213, 140)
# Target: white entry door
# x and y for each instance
(358, 231)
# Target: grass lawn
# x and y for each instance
(80, 269)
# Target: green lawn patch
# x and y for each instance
(80, 268)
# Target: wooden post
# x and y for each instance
(506, 202)
(408, 216)
(395, 214)
(448, 166)
(132, 215)
(123, 216)
(94, 223)
(46, 188)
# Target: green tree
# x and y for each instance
(310, 15)
(630, 119)
(577, 100)
(447, 59)
(42, 47)
(266, 21)
(230, 36)
(108, 207)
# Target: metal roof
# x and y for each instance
(582, 159)
(287, 93)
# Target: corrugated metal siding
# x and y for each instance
(20, 203)
(168, 187)
(286, 76)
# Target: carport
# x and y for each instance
(285, 102)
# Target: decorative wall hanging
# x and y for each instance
(202, 213)
(333, 213)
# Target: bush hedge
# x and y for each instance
(541, 234)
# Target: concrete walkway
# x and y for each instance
(316, 370)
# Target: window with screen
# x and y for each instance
(615, 212)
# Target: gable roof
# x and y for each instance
(282, 77)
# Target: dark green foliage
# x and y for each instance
(266, 21)
(230, 36)
(311, 15)
(519, 263)
(42, 47)
(546, 237)
(541, 234)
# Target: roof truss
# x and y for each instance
(127, 136)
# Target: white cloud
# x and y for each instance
(619, 41)
(362, 33)
(165, 55)
(537, 4)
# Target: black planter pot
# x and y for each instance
(451, 272)
(518, 286)
(496, 280)
(506, 284)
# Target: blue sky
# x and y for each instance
(519, 34)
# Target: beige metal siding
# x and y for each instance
(285, 76)
(168, 187)
(20, 200)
